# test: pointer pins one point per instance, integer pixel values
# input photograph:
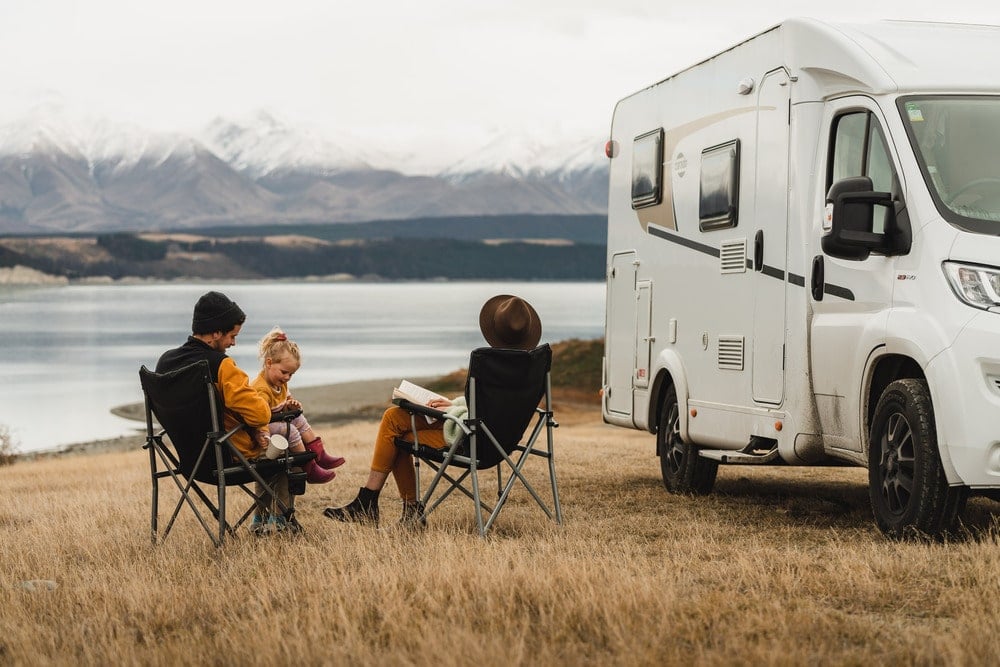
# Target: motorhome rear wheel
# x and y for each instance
(682, 469)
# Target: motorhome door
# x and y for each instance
(770, 252)
(621, 332)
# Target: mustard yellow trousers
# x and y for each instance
(388, 458)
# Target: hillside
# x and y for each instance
(486, 248)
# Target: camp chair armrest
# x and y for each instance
(410, 406)
(413, 408)
(285, 415)
(462, 423)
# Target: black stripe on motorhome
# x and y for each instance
(770, 271)
(687, 243)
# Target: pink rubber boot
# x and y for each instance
(317, 475)
(324, 460)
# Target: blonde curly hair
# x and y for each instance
(275, 345)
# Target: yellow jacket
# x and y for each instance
(243, 400)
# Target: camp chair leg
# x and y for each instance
(454, 484)
(185, 488)
(440, 471)
(154, 484)
(220, 491)
(416, 459)
(475, 499)
(518, 475)
(457, 484)
(552, 472)
(185, 497)
(268, 487)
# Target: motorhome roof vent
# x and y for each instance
(731, 353)
(733, 256)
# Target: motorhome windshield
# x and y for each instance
(957, 142)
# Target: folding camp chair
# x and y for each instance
(503, 392)
(185, 403)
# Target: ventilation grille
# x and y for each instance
(733, 256)
(731, 353)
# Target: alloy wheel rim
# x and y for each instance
(896, 464)
(675, 454)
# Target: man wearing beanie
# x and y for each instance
(216, 322)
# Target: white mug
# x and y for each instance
(277, 445)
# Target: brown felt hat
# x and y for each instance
(510, 322)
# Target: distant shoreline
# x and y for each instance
(477, 248)
(22, 276)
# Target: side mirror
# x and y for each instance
(850, 219)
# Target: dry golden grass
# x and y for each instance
(778, 566)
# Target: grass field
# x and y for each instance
(778, 566)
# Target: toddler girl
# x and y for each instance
(280, 357)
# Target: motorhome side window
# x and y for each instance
(859, 149)
(720, 192)
(647, 168)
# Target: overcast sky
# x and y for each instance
(438, 68)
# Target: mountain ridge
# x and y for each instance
(59, 174)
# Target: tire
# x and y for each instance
(909, 493)
(682, 469)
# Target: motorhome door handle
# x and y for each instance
(818, 276)
(758, 250)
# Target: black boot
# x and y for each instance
(363, 509)
(413, 515)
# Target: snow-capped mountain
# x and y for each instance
(60, 172)
(53, 129)
(521, 156)
(262, 145)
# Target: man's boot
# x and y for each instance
(363, 509)
(413, 515)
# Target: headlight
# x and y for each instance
(978, 286)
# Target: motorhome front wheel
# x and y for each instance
(909, 494)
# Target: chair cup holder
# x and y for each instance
(296, 483)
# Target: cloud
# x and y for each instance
(437, 67)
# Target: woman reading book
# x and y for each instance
(507, 322)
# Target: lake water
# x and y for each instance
(71, 353)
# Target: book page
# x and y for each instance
(414, 393)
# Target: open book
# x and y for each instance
(414, 393)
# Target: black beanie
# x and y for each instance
(216, 312)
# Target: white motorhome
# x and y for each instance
(804, 262)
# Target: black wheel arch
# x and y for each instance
(886, 370)
(661, 384)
